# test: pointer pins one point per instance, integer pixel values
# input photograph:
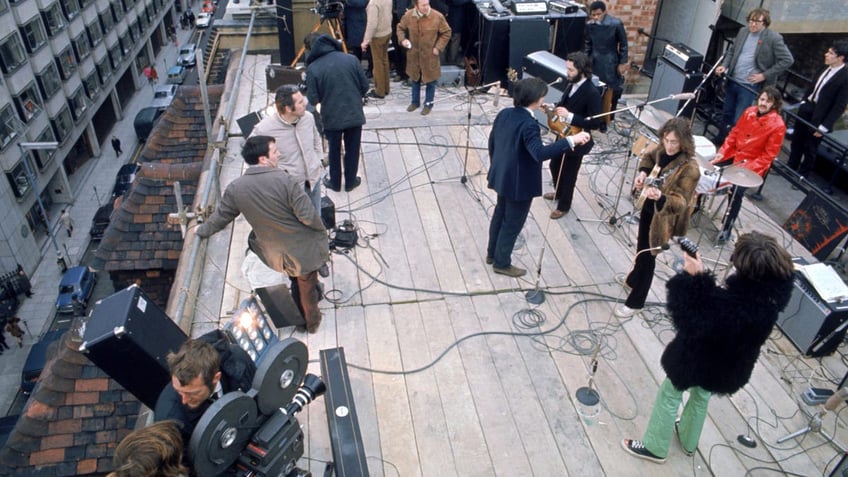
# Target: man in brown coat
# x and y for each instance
(424, 33)
(289, 234)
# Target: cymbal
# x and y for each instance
(704, 162)
(742, 177)
(651, 117)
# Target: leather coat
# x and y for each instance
(754, 142)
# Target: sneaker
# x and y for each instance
(510, 271)
(622, 280)
(637, 449)
(426, 110)
(328, 185)
(625, 311)
(354, 185)
(677, 433)
(412, 107)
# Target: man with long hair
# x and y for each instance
(719, 333)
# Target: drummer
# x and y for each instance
(753, 144)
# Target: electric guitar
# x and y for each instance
(653, 180)
(557, 123)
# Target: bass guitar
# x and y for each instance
(558, 124)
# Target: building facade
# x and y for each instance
(67, 70)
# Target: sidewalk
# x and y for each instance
(93, 186)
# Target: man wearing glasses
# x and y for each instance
(755, 59)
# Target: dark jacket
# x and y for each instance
(833, 98)
(719, 330)
(584, 103)
(606, 45)
(354, 22)
(771, 57)
(237, 371)
(336, 81)
(516, 152)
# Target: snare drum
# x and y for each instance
(645, 143)
(708, 182)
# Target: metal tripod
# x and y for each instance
(335, 28)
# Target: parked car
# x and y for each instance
(144, 122)
(36, 359)
(78, 282)
(101, 220)
(203, 20)
(176, 74)
(188, 55)
(124, 178)
(163, 96)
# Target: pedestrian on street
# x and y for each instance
(22, 283)
(116, 145)
(78, 306)
(67, 222)
(14, 329)
(3, 344)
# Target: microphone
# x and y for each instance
(643, 32)
(682, 96)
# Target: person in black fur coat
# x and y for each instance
(719, 332)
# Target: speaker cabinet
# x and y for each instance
(815, 327)
(129, 338)
(668, 80)
(281, 306)
(505, 43)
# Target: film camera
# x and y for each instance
(328, 8)
(252, 434)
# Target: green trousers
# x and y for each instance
(657, 438)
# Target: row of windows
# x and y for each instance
(17, 176)
(36, 31)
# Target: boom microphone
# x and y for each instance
(682, 96)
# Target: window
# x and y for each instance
(95, 33)
(18, 179)
(33, 34)
(91, 84)
(4, 7)
(117, 10)
(125, 42)
(12, 54)
(104, 70)
(85, 3)
(81, 47)
(127, 4)
(9, 126)
(115, 55)
(62, 124)
(106, 21)
(28, 103)
(67, 63)
(143, 21)
(71, 8)
(53, 19)
(132, 31)
(43, 157)
(15, 2)
(49, 81)
(78, 103)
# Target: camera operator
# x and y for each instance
(152, 451)
(202, 370)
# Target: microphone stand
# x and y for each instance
(613, 219)
(698, 88)
(470, 92)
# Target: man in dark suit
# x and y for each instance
(516, 152)
(606, 45)
(579, 103)
(755, 59)
(824, 102)
(289, 234)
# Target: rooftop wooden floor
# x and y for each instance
(456, 373)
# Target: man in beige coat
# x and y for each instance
(289, 235)
(424, 33)
(378, 31)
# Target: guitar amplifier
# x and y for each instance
(529, 7)
(129, 337)
(683, 57)
(814, 326)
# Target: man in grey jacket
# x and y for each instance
(297, 139)
(756, 58)
(289, 235)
